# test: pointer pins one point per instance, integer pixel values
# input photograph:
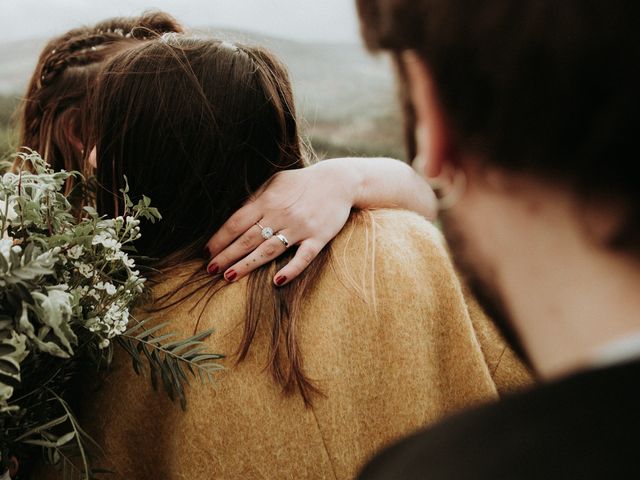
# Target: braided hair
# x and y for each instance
(52, 113)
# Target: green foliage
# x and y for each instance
(168, 362)
(67, 288)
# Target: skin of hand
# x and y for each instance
(309, 207)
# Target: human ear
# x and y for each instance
(93, 160)
(432, 135)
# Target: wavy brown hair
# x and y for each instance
(198, 126)
(52, 111)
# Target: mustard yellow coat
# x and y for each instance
(387, 335)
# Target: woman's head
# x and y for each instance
(197, 125)
(52, 113)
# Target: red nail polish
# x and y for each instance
(280, 280)
(231, 275)
(206, 253)
(213, 269)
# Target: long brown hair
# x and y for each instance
(198, 126)
(52, 112)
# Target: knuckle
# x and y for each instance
(270, 199)
(234, 226)
(310, 224)
(269, 250)
(307, 256)
(211, 248)
(246, 242)
(294, 268)
(288, 212)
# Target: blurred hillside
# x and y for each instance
(8, 104)
(345, 97)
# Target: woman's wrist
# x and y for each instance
(384, 183)
(347, 173)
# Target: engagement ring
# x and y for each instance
(267, 232)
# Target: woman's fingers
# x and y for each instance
(237, 224)
(241, 247)
(267, 251)
(307, 252)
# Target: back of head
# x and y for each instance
(544, 88)
(52, 112)
(197, 125)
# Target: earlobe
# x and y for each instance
(93, 160)
(432, 137)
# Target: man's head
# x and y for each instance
(535, 102)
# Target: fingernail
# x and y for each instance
(280, 280)
(231, 275)
(213, 269)
(206, 253)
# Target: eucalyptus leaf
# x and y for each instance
(68, 285)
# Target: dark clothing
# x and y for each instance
(586, 426)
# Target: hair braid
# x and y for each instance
(83, 48)
(52, 111)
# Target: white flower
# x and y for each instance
(93, 324)
(104, 343)
(116, 319)
(106, 240)
(108, 287)
(75, 252)
(115, 255)
(112, 323)
(85, 269)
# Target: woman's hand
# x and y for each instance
(309, 207)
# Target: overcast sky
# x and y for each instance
(326, 20)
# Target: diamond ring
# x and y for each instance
(283, 239)
(267, 232)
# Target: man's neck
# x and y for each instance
(567, 296)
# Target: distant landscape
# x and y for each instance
(345, 97)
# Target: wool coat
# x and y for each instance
(387, 334)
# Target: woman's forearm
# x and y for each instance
(388, 183)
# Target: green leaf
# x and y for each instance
(148, 332)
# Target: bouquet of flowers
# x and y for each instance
(67, 290)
